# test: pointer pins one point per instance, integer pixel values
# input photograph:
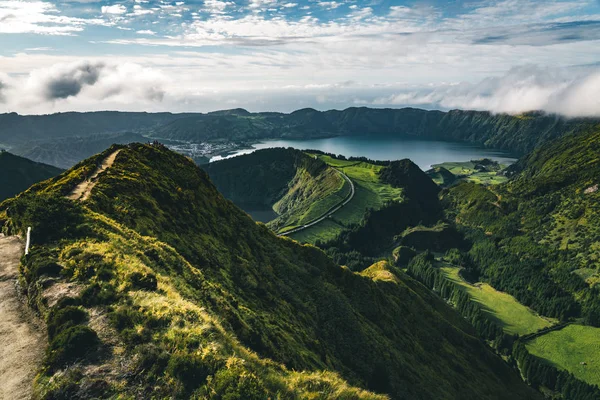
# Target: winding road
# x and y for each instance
(328, 213)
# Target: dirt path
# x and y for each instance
(84, 189)
(22, 341)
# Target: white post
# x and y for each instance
(28, 242)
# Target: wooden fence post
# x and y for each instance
(28, 242)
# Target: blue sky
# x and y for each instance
(503, 56)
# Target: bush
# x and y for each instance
(70, 345)
(189, 369)
(99, 294)
(152, 361)
(51, 216)
(60, 319)
(143, 281)
(234, 384)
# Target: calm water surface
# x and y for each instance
(422, 152)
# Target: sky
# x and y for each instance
(281, 55)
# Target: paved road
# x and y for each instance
(22, 342)
(328, 213)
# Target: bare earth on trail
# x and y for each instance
(84, 189)
(22, 342)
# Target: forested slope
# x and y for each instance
(207, 303)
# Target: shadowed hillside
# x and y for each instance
(209, 303)
(18, 173)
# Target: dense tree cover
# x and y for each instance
(208, 300)
(349, 158)
(298, 187)
(19, 173)
(359, 243)
(539, 373)
(535, 371)
(260, 178)
(533, 234)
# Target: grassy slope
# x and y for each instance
(512, 316)
(568, 347)
(18, 173)
(309, 196)
(233, 302)
(466, 171)
(298, 187)
(549, 213)
(370, 193)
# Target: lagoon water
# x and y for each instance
(422, 152)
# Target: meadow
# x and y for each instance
(512, 316)
(568, 348)
(466, 171)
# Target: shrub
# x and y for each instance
(60, 319)
(152, 361)
(99, 294)
(70, 345)
(143, 281)
(51, 216)
(189, 369)
(234, 384)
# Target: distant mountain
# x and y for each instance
(18, 129)
(519, 134)
(66, 152)
(18, 173)
(160, 287)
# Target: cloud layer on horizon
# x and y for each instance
(199, 55)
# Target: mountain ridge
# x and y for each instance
(180, 279)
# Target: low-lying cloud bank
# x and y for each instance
(99, 85)
(89, 84)
(573, 92)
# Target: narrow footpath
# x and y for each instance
(22, 340)
(84, 189)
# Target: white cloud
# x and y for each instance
(139, 10)
(84, 83)
(216, 6)
(146, 32)
(289, 5)
(329, 5)
(38, 17)
(570, 92)
(116, 9)
(261, 3)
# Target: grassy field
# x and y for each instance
(567, 348)
(370, 192)
(514, 317)
(465, 171)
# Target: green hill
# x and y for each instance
(157, 286)
(298, 187)
(537, 237)
(18, 173)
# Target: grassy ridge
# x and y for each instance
(309, 197)
(187, 296)
(370, 193)
(568, 347)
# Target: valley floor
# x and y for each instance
(22, 341)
